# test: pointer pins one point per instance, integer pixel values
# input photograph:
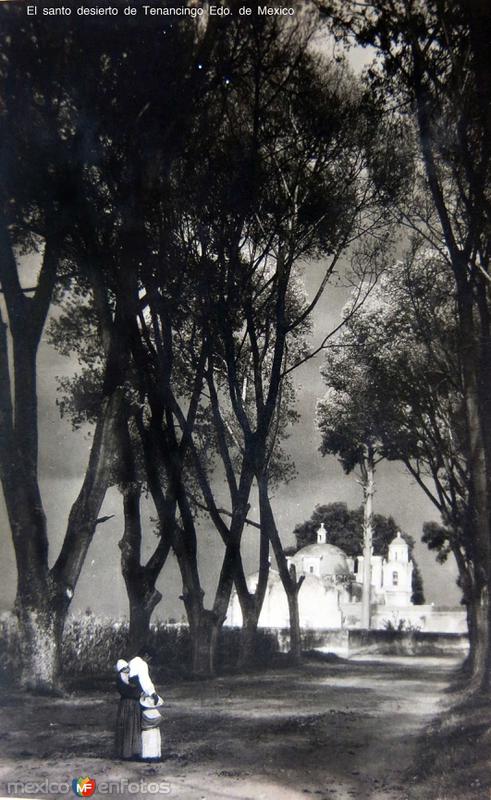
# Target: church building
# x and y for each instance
(330, 595)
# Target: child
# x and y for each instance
(152, 716)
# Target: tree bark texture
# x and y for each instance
(473, 347)
(288, 576)
(368, 489)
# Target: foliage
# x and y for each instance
(418, 596)
(438, 538)
(430, 68)
(393, 365)
(395, 379)
(345, 529)
(400, 625)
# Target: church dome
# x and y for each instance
(398, 540)
(331, 559)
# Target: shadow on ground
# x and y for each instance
(455, 753)
(335, 730)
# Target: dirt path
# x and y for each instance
(328, 731)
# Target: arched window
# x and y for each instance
(395, 579)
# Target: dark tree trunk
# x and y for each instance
(252, 602)
(142, 605)
(251, 606)
(478, 663)
(139, 579)
(474, 358)
(44, 596)
(248, 636)
(288, 576)
(295, 631)
(165, 453)
(182, 542)
(40, 630)
(204, 629)
(201, 621)
(367, 468)
(206, 624)
(480, 485)
(204, 638)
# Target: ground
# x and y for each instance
(332, 730)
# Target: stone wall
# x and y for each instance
(347, 643)
(429, 618)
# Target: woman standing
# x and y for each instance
(128, 720)
(134, 682)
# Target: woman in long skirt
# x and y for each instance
(128, 720)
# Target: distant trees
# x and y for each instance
(344, 527)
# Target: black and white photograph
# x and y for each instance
(245, 399)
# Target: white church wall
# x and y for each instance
(318, 605)
(274, 613)
(424, 618)
(326, 604)
(348, 616)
